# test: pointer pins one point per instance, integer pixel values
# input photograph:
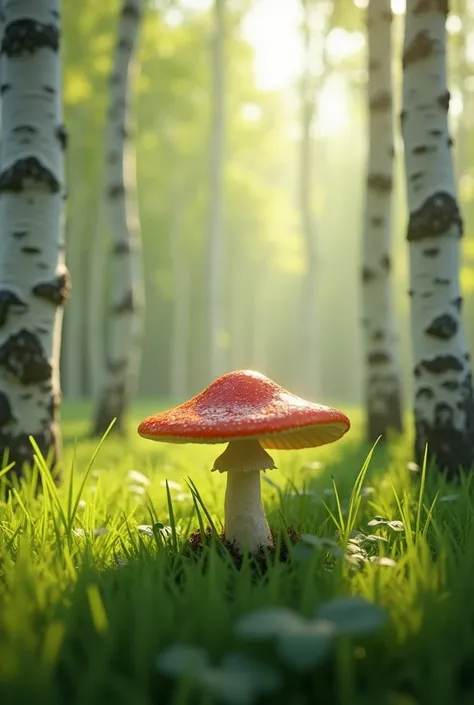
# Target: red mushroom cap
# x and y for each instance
(246, 404)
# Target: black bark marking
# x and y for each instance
(449, 436)
(25, 35)
(116, 191)
(435, 217)
(56, 291)
(22, 355)
(443, 100)
(9, 300)
(62, 136)
(378, 358)
(423, 149)
(18, 449)
(380, 102)
(4, 88)
(121, 248)
(49, 89)
(125, 44)
(430, 5)
(450, 142)
(116, 366)
(368, 274)
(440, 364)
(443, 327)
(416, 176)
(6, 413)
(28, 129)
(131, 11)
(403, 116)
(386, 263)
(125, 305)
(42, 265)
(376, 221)
(436, 133)
(442, 281)
(379, 335)
(457, 303)
(451, 384)
(410, 292)
(422, 47)
(28, 169)
(391, 418)
(424, 393)
(29, 250)
(380, 183)
(431, 252)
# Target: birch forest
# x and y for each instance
(307, 218)
(236, 339)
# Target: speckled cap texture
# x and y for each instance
(246, 404)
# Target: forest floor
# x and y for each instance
(100, 604)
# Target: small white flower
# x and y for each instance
(138, 478)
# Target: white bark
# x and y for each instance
(215, 242)
(181, 307)
(443, 404)
(382, 377)
(34, 282)
(124, 320)
(316, 23)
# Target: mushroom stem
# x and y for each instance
(245, 520)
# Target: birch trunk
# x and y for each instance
(382, 376)
(124, 324)
(215, 242)
(309, 287)
(181, 303)
(34, 282)
(443, 394)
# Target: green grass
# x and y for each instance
(89, 616)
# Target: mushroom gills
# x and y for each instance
(244, 456)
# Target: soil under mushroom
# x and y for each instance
(261, 560)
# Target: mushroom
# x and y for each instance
(249, 412)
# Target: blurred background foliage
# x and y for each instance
(264, 260)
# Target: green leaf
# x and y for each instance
(182, 659)
(307, 646)
(240, 679)
(267, 622)
(352, 616)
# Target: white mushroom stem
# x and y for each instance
(245, 521)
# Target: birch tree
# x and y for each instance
(34, 282)
(381, 370)
(124, 315)
(443, 393)
(215, 264)
(316, 21)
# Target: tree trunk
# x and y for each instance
(443, 403)
(215, 243)
(34, 282)
(382, 376)
(309, 345)
(124, 324)
(181, 307)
